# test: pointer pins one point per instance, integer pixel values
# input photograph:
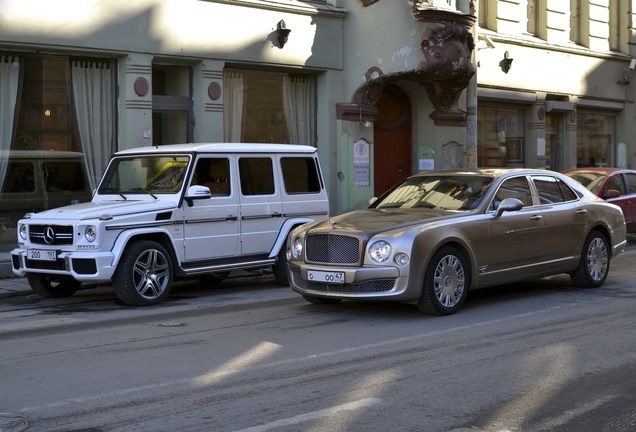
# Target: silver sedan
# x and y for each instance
(435, 236)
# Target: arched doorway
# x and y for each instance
(392, 139)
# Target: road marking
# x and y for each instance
(327, 412)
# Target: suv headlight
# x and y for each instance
(380, 251)
(22, 230)
(90, 232)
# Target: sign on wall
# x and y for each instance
(361, 163)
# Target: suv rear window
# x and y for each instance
(300, 175)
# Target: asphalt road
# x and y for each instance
(247, 356)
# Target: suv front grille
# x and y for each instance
(53, 235)
(332, 249)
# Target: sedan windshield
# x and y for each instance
(145, 175)
(592, 181)
(437, 192)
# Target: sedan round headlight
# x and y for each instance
(297, 248)
(90, 233)
(380, 251)
(23, 232)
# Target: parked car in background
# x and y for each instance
(182, 210)
(36, 180)
(436, 235)
(616, 185)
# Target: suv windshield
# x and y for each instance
(434, 191)
(145, 175)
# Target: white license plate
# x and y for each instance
(326, 277)
(41, 255)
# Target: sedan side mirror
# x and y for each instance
(508, 204)
(612, 193)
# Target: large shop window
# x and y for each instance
(269, 107)
(57, 123)
(595, 145)
(501, 136)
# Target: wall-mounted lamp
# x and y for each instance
(627, 72)
(283, 33)
(506, 63)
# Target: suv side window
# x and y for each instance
(552, 190)
(257, 176)
(64, 176)
(215, 174)
(300, 175)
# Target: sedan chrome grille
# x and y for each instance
(332, 249)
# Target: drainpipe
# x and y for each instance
(469, 7)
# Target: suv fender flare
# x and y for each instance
(287, 227)
(159, 234)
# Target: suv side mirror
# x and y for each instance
(197, 192)
(508, 204)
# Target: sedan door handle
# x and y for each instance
(536, 218)
(581, 212)
(231, 218)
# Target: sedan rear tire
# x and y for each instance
(446, 282)
(594, 263)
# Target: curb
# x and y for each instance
(5, 270)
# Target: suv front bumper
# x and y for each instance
(82, 266)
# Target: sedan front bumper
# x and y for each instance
(375, 282)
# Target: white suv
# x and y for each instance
(175, 211)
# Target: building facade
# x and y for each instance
(383, 88)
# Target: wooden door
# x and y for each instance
(392, 139)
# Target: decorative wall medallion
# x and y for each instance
(541, 114)
(141, 86)
(373, 72)
(214, 90)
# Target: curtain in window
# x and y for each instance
(299, 105)
(93, 99)
(9, 77)
(233, 99)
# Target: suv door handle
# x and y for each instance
(231, 218)
(277, 215)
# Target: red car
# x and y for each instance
(615, 185)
